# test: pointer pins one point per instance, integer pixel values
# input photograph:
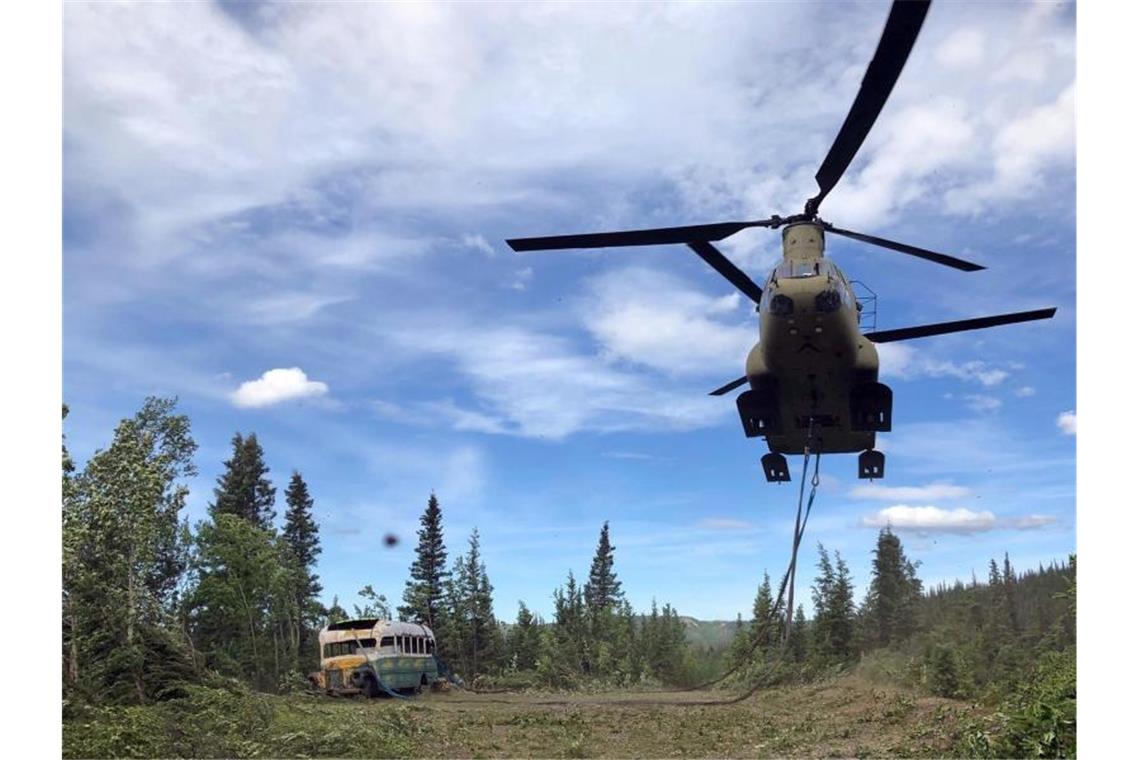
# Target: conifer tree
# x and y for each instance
(301, 536)
(832, 595)
(797, 641)
(763, 618)
(472, 634)
(892, 597)
(424, 591)
(243, 489)
(525, 639)
(603, 590)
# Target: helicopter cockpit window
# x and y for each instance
(797, 269)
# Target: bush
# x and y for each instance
(1038, 720)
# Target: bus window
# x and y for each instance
(430, 646)
(387, 641)
(420, 644)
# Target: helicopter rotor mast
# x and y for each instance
(899, 35)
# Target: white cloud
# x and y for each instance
(1025, 391)
(653, 319)
(537, 384)
(927, 519)
(479, 243)
(1023, 149)
(907, 362)
(1067, 422)
(963, 49)
(276, 386)
(928, 492)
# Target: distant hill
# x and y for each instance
(709, 633)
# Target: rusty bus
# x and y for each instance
(372, 656)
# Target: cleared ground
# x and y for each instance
(844, 717)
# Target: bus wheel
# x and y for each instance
(371, 688)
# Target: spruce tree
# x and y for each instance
(525, 639)
(301, 536)
(243, 489)
(603, 590)
(797, 641)
(893, 594)
(424, 592)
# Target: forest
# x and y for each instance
(156, 611)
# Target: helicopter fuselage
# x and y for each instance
(811, 369)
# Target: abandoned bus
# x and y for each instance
(371, 656)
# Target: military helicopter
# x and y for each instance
(813, 376)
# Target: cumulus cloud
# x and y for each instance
(907, 362)
(1067, 422)
(1025, 391)
(929, 492)
(928, 519)
(276, 386)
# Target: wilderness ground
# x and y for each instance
(845, 716)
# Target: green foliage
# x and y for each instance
(833, 630)
(301, 535)
(233, 722)
(243, 490)
(524, 640)
(890, 610)
(375, 605)
(602, 592)
(470, 637)
(124, 553)
(239, 609)
(424, 591)
(1039, 717)
(945, 672)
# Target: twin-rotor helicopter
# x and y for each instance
(813, 377)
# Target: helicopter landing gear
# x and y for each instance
(871, 464)
(871, 408)
(760, 411)
(775, 468)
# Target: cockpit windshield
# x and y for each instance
(797, 269)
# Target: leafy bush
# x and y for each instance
(1038, 720)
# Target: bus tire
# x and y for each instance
(371, 687)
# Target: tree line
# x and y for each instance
(151, 603)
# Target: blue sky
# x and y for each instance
(321, 194)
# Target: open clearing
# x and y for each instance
(843, 717)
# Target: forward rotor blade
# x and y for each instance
(660, 236)
(922, 253)
(924, 331)
(730, 386)
(898, 38)
(728, 270)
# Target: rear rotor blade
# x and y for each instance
(922, 253)
(924, 331)
(728, 270)
(898, 38)
(730, 386)
(661, 236)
